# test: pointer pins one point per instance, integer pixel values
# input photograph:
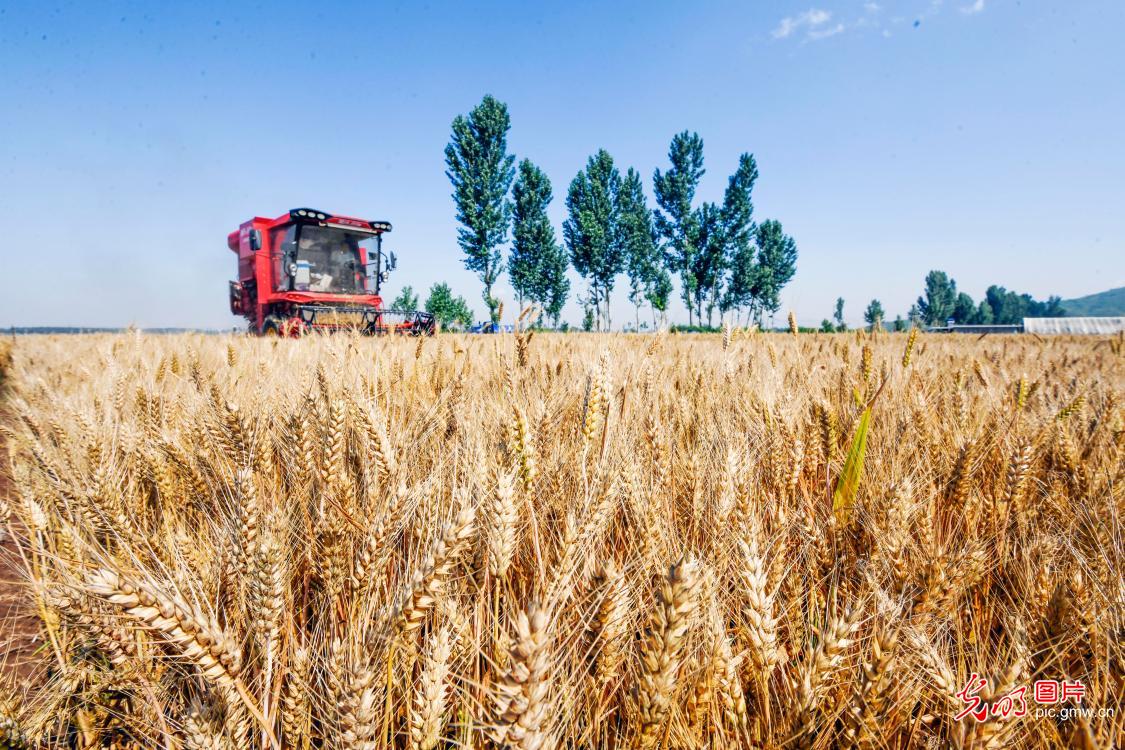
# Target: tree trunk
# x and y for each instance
(597, 307)
(493, 314)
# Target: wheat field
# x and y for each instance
(563, 541)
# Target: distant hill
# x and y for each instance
(1109, 302)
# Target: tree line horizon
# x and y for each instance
(725, 261)
(941, 303)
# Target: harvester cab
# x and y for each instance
(308, 271)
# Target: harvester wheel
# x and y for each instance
(272, 327)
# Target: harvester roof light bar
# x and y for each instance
(356, 224)
(309, 213)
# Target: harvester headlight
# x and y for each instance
(321, 216)
(301, 213)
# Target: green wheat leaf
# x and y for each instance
(847, 484)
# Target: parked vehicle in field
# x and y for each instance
(308, 271)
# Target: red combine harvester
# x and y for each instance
(311, 271)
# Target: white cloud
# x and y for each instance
(817, 17)
(816, 24)
(825, 32)
(810, 19)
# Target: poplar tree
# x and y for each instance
(940, 298)
(873, 315)
(537, 264)
(711, 247)
(638, 240)
(553, 286)
(738, 235)
(709, 263)
(480, 169)
(676, 220)
(777, 262)
(838, 315)
(591, 231)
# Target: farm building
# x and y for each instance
(976, 328)
(1100, 325)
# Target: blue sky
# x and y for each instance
(981, 138)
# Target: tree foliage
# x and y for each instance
(659, 295)
(873, 315)
(777, 262)
(481, 170)
(964, 309)
(738, 221)
(639, 240)
(587, 318)
(537, 263)
(838, 315)
(1011, 307)
(407, 299)
(448, 310)
(738, 237)
(717, 250)
(553, 285)
(709, 263)
(984, 313)
(937, 303)
(941, 301)
(591, 230)
(676, 220)
(742, 278)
